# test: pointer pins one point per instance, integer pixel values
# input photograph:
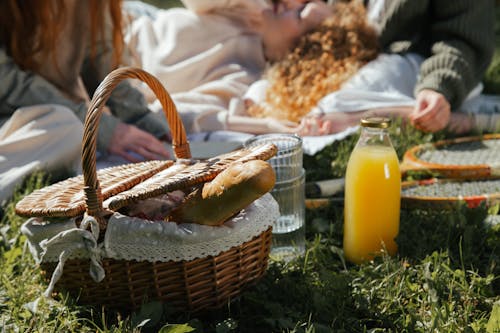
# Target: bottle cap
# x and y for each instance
(376, 122)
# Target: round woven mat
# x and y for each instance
(449, 192)
(464, 153)
(465, 158)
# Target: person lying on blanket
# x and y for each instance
(209, 52)
(319, 64)
(317, 89)
(433, 56)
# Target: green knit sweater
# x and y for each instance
(455, 36)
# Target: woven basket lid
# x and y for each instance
(124, 184)
(85, 193)
(67, 198)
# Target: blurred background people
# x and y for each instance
(53, 55)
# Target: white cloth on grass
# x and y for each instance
(310, 144)
(41, 137)
(387, 81)
(204, 55)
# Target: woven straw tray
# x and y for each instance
(447, 193)
(466, 158)
(192, 286)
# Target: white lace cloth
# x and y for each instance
(137, 239)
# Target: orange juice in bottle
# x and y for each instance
(372, 194)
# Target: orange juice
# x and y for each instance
(372, 202)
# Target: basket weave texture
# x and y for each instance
(195, 285)
(447, 193)
(465, 158)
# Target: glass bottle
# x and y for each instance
(372, 194)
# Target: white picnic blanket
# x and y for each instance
(387, 81)
(210, 61)
(204, 55)
(310, 144)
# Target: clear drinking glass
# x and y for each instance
(289, 192)
(289, 229)
(288, 160)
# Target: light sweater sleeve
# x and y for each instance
(462, 48)
(126, 103)
(20, 88)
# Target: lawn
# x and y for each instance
(445, 277)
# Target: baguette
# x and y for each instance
(228, 193)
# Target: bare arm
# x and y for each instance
(335, 122)
(260, 125)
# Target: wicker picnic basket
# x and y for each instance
(474, 157)
(185, 285)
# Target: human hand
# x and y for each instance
(315, 126)
(432, 112)
(128, 141)
(280, 126)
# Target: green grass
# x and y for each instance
(492, 77)
(165, 3)
(444, 279)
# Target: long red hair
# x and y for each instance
(29, 27)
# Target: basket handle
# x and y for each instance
(180, 145)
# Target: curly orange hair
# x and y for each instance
(322, 60)
(29, 27)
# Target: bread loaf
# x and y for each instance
(228, 193)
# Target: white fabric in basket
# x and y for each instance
(137, 239)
